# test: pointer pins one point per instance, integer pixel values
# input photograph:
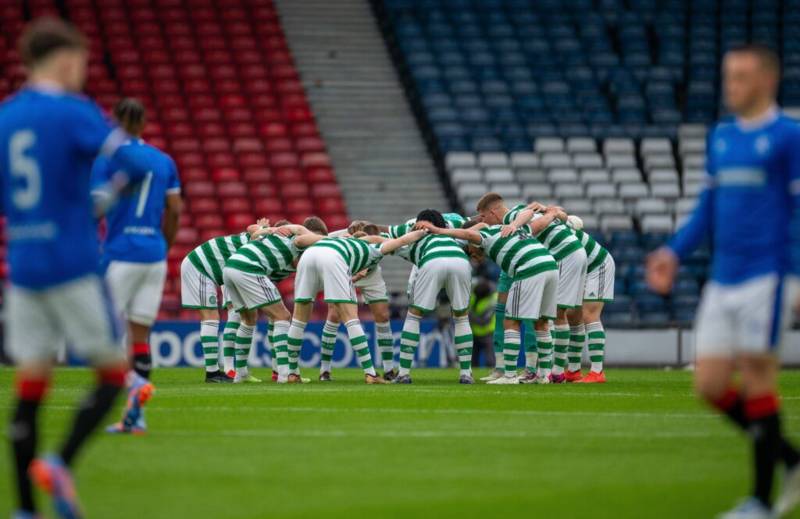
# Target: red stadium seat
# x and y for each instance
(289, 175)
(330, 205)
(208, 221)
(296, 190)
(263, 191)
(239, 221)
(203, 205)
(225, 175)
(265, 206)
(186, 236)
(299, 205)
(319, 175)
(325, 190)
(257, 175)
(236, 205)
(198, 189)
(193, 175)
(337, 221)
(313, 159)
(231, 189)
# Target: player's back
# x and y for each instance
(134, 222)
(48, 140)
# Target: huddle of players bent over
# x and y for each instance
(551, 271)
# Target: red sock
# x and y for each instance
(761, 406)
(31, 389)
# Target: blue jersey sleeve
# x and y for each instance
(794, 193)
(698, 227)
(174, 183)
(92, 132)
(100, 173)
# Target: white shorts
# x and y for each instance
(198, 291)
(137, 289)
(600, 282)
(750, 317)
(249, 291)
(454, 275)
(323, 269)
(79, 311)
(411, 277)
(373, 287)
(571, 280)
(533, 297)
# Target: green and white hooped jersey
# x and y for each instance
(557, 237)
(210, 257)
(595, 253)
(431, 247)
(273, 255)
(453, 220)
(358, 254)
(520, 255)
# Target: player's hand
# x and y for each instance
(360, 275)
(424, 226)
(662, 265)
(283, 231)
(507, 230)
(262, 222)
(537, 207)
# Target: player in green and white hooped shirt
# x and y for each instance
(599, 290)
(329, 265)
(534, 272)
(249, 277)
(201, 278)
(572, 263)
(440, 263)
(373, 288)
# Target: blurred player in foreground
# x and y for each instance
(49, 137)
(745, 210)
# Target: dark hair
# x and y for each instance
(129, 113)
(370, 229)
(433, 216)
(768, 57)
(45, 36)
(482, 289)
(316, 225)
(281, 223)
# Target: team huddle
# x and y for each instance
(551, 270)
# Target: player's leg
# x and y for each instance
(458, 287)
(503, 286)
(511, 346)
(599, 290)
(280, 317)
(328, 343)
(198, 292)
(31, 340)
(544, 345)
(384, 337)
(84, 312)
(243, 345)
(141, 313)
(535, 299)
(422, 297)
(229, 343)
(348, 314)
(307, 283)
(373, 288)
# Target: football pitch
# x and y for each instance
(639, 446)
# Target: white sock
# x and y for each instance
(229, 341)
(511, 345)
(596, 336)
(244, 340)
(544, 343)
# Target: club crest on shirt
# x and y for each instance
(762, 144)
(720, 146)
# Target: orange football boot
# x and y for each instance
(573, 376)
(593, 378)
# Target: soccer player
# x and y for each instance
(329, 266)
(598, 290)
(534, 272)
(249, 276)
(135, 251)
(441, 264)
(373, 287)
(572, 262)
(201, 277)
(49, 136)
(745, 210)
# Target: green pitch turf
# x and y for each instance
(639, 446)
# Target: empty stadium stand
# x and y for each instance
(600, 106)
(224, 99)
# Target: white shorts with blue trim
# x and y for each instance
(80, 312)
(137, 289)
(750, 317)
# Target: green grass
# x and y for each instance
(639, 446)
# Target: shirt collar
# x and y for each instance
(46, 86)
(759, 122)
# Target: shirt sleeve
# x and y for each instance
(92, 132)
(404, 252)
(99, 173)
(698, 226)
(174, 183)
